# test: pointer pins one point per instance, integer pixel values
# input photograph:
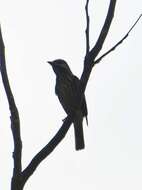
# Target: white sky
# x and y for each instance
(37, 31)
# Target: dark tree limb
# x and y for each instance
(118, 43)
(91, 56)
(20, 177)
(15, 121)
(87, 27)
(47, 149)
(103, 34)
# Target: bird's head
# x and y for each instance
(60, 67)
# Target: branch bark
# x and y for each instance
(29, 170)
(87, 27)
(103, 34)
(63, 130)
(118, 43)
(15, 121)
(92, 54)
(20, 177)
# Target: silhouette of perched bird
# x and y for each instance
(67, 90)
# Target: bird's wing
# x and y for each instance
(83, 103)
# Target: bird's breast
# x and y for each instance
(67, 93)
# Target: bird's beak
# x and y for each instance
(50, 62)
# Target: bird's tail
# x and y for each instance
(78, 131)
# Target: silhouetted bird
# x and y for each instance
(67, 90)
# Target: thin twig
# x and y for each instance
(103, 34)
(90, 57)
(87, 27)
(116, 45)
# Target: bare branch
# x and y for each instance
(20, 177)
(47, 149)
(15, 122)
(99, 44)
(116, 45)
(87, 27)
(90, 57)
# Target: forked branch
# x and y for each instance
(92, 54)
(118, 43)
(103, 34)
(20, 177)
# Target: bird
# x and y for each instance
(67, 89)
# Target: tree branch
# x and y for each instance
(89, 62)
(90, 57)
(118, 43)
(87, 27)
(99, 44)
(15, 122)
(20, 177)
(29, 170)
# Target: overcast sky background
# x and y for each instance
(37, 31)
